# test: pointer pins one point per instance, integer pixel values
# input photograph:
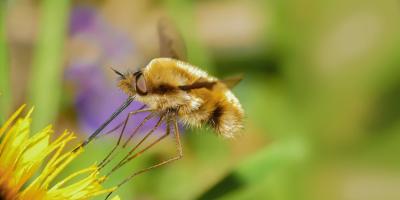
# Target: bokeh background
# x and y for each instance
(321, 90)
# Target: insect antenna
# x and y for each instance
(178, 148)
(127, 102)
(118, 73)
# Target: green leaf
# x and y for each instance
(270, 164)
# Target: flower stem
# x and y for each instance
(46, 77)
(5, 92)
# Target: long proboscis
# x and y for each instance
(127, 102)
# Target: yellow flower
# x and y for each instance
(22, 155)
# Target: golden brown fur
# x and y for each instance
(214, 104)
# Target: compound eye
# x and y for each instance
(141, 87)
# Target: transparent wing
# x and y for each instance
(232, 81)
(171, 41)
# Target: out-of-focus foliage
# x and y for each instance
(321, 92)
(5, 93)
(46, 74)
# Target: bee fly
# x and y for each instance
(175, 91)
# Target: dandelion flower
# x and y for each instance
(22, 156)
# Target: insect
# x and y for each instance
(175, 91)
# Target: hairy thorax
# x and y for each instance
(164, 76)
(198, 98)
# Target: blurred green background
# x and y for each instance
(321, 90)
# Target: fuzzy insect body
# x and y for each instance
(173, 90)
(167, 84)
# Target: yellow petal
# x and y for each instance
(22, 155)
(10, 120)
(116, 198)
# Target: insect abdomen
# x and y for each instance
(226, 119)
(219, 109)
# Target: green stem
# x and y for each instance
(46, 77)
(5, 92)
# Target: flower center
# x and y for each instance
(5, 193)
(2, 194)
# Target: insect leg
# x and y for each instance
(148, 117)
(118, 126)
(112, 117)
(125, 122)
(177, 157)
(137, 129)
(127, 158)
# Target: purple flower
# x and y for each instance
(93, 43)
(83, 19)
